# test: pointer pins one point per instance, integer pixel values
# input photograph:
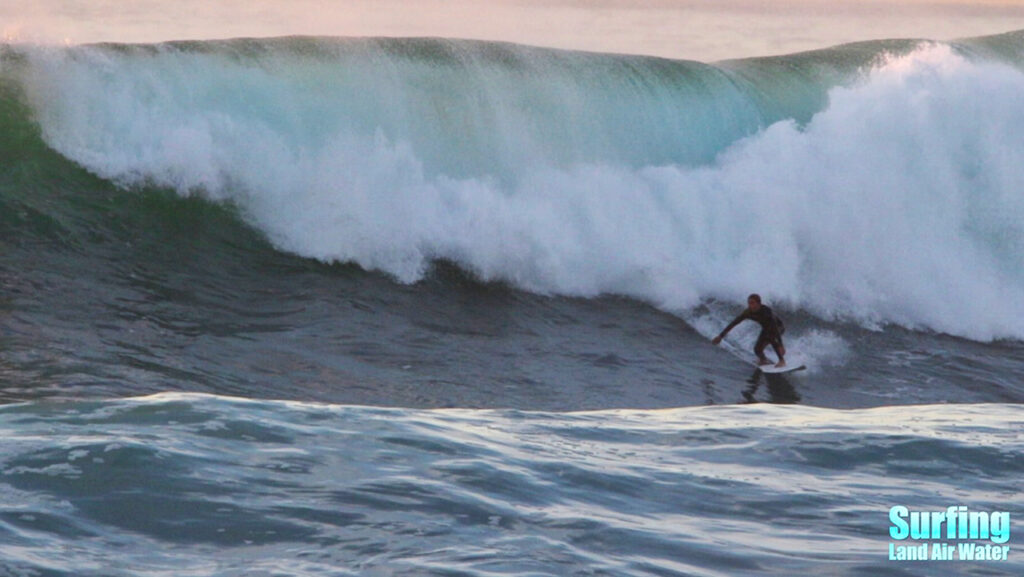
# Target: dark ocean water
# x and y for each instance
(408, 307)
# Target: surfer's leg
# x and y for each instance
(780, 351)
(759, 346)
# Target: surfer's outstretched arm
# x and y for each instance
(743, 316)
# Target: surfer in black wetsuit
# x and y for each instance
(771, 330)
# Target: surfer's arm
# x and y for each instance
(732, 325)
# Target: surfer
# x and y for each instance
(771, 330)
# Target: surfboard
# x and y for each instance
(794, 362)
(791, 366)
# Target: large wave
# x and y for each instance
(878, 183)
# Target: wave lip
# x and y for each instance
(879, 194)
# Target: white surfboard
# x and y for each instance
(793, 363)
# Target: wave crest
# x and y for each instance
(890, 197)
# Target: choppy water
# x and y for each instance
(201, 485)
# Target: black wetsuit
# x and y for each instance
(771, 329)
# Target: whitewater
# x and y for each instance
(873, 183)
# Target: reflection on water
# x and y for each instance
(780, 389)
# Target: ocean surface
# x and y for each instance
(327, 306)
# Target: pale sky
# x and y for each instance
(694, 29)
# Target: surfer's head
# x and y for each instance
(754, 302)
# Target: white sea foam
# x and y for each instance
(900, 202)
